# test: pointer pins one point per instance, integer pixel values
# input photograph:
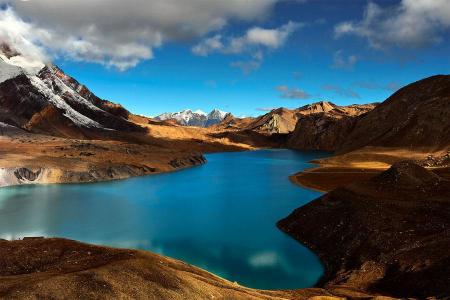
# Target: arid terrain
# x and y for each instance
(390, 219)
(393, 232)
(62, 269)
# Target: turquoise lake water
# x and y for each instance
(220, 216)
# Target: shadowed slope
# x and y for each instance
(390, 234)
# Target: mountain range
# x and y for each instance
(41, 98)
(54, 130)
(194, 118)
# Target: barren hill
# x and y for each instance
(417, 115)
(392, 232)
(326, 128)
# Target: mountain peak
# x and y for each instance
(13, 63)
(198, 118)
(316, 107)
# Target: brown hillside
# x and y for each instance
(417, 115)
(392, 232)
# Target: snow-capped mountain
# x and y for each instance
(194, 118)
(39, 97)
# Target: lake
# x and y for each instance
(220, 216)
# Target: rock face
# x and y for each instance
(27, 174)
(388, 235)
(325, 126)
(195, 118)
(281, 120)
(417, 115)
(43, 99)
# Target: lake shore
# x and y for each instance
(167, 279)
(343, 169)
(27, 158)
(392, 231)
(60, 268)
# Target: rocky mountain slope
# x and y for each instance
(283, 120)
(393, 233)
(195, 118)
(415, 117)
(325, 128)
(42, 99)
(53, 130)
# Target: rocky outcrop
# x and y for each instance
(94, 173)
(25, 174)
(388, 235)
(436, 160)
(188, 161)
(325, 127)
(281, 120)
(22, 175)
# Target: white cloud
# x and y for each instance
(254, 37)
(292, 93)
(411, 23)
(119, 33)
(15, 32)
(256, 41)
(272, 38)
(208, 45)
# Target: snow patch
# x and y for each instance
(8, 71)
(194, 118)
(56, 100)
(17, 65)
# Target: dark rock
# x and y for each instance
(388, 235)
(27, 174)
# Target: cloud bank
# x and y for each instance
(120, 33)
(255, 41)
(254, 37)
(411, 23)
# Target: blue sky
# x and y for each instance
(342, 51)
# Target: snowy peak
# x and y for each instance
(194, 118)
(13, 64)
(40, 98)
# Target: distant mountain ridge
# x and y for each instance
(416, 116)
(197, 118)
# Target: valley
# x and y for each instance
(386, 178)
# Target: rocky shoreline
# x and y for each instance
(43, 175)
(387, 235)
